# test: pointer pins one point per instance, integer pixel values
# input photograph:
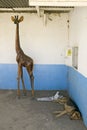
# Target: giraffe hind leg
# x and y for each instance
(24, 89)
(30, 73)
(32, 83)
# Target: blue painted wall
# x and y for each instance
(77, 88)
(47, 77)
(50, 77)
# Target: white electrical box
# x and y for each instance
(75, 57)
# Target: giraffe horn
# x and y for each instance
(12, 18)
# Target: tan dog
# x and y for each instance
(61, 100)
(70, 110)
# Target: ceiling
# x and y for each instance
(14, 3)
(23, 6)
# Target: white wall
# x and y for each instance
(78, 36)
(45, 44)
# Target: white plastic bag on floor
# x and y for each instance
(55, 97)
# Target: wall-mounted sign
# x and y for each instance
(58, 2)
(69, 52)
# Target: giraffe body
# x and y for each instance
(22, 59)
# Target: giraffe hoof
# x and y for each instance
(33, 98)
(32, 93)
(18, 97)
(18, 94)
(24, 93)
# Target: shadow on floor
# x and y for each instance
(29, 114)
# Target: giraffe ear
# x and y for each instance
(21, 19)
(12, 18)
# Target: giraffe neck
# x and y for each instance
(17, 42)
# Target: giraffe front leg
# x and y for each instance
(18, 90)
(24, 89)
(18, 78)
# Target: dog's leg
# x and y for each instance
(61, 113)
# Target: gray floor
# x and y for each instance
(29, 114)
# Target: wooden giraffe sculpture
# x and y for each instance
(22, 59)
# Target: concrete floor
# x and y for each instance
(28, 114)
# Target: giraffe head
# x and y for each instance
(16, 19)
